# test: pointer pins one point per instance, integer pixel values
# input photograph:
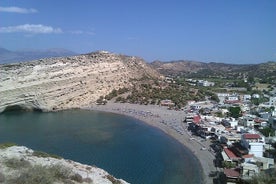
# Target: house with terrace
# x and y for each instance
(254, 143)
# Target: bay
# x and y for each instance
(123, 146)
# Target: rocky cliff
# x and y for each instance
(19, 164)
(70, 82)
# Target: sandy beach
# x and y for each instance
(169, 121)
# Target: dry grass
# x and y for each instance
(261, 86)
(38, 174)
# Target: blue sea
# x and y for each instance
(125, 147)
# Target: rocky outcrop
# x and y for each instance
(71, 82)
(19, 164)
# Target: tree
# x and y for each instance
(228, 165)
(111, 95)
(219, 114)
(263, 178)
(215, 97)
(235, 112)
(120, 99)
(255, 101)
(266, 131)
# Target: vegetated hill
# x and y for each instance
(7, 56)
(200, 69)
(68, 82)
(178, 67)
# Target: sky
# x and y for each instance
(225, 31)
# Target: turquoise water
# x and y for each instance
(123, 146)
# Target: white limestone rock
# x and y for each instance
(12, 157)
(69, 82)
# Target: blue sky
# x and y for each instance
(230, 31)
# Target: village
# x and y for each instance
(233, 135)
(242, 142)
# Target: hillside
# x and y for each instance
(68, 82)
(7, 56)
(200, 69)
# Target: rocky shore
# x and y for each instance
(169, 121)
(19, 164)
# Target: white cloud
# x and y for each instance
(30, 28)
(14, 9)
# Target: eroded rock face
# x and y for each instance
(19, 164)
(71, 82)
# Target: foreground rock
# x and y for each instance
(19, 164)
(70, 82)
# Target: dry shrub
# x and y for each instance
(2, 178)
(41, 174)
(16, 163)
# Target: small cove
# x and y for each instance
(125, 147)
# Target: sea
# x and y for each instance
(123, 146)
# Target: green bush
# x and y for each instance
(263, 178)
(6, 145)
(267, 131)
(228, 165)
(235, 112)
(45, 155)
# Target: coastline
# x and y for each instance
(170, 122)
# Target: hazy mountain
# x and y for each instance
(7, 56)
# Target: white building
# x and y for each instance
(233, 122)
(254, 143)
(246, 97)
(247, 121)
(265, 115)
(231, 99)
(272, 101)
(245, 108)
(191, 102)
(249, 170)
(223, 94)
(205, 83)
(240, 128)
(255, 96)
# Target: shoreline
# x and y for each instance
(171, 123)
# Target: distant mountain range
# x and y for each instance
(7, 56)
(172, 68)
